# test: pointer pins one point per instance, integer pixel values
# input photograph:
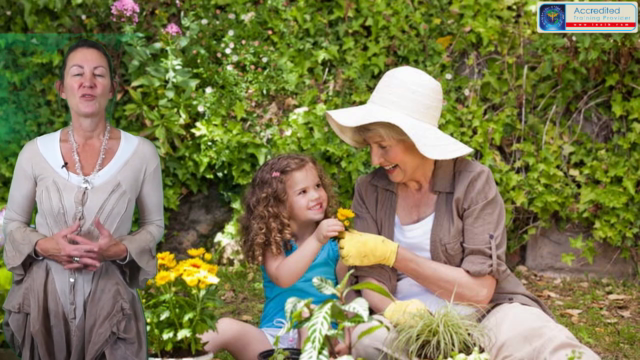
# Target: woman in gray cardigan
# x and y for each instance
(432, 227)
(75, 274)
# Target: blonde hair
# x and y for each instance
(387, 130)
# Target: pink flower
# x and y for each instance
(173, 29)
(124, 9)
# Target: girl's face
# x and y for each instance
(307, 199)
(87, 84)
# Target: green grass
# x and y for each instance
(609, 321)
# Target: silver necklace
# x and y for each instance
(86, 180)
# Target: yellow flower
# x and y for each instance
(149, 282)
(344, 214)
(190, 280)
(166, 259)
(163, 277)
(196, 252)
(346, 223)
(208, 256)
(213, 269)
(164, 255)
(208, 278)
(202, 285)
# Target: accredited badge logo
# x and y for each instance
(595, 17)
(552, 17)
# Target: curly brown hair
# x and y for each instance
(264, 225)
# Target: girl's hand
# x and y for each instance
(327, 229)
(58, 248)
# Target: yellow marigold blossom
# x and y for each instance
(164, 255)
(190, 280)
(208, 256)
(149, 282)
(213, 269)
(195, 263)
(166, 259)
(196, 252)
(344, 214)
(346, 223)
(202, 285)
(163, 277)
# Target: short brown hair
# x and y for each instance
(264, 225)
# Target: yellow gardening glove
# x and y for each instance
(399, 312)
(363, 249)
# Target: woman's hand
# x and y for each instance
(108, 248)
(399, 312)
(58, 248)
(364, 249)
(327, 229)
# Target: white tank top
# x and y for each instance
(417, 239)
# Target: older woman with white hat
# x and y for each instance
(431, 227)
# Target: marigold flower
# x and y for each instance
(196, 252)
(190, 280)
(162, 278)
(344, 214)
(346, 223)
(208, 256)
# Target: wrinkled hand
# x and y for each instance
(108, 248)
(364, 249)
(58, 248)
(327, 229)
(399, 312)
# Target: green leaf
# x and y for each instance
(325, 286)
(359, 306)
(373, 287)
(370, 330)
(317, 327)
(183, 333)
(568, 258)
(238, 109)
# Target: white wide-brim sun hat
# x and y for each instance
(410, 99)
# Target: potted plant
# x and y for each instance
(177, 305)
(330, 320)
(444, 334)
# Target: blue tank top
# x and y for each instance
(275, 297)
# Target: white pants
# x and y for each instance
(516, 332)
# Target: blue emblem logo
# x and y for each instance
(552, 17)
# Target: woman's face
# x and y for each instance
(399, 158)
(87, 85)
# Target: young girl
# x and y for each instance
(286, 228)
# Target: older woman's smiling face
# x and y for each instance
(87, 85)
(400, 158)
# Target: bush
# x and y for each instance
(555, 116)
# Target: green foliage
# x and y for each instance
(554, 116)
(318, 320)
